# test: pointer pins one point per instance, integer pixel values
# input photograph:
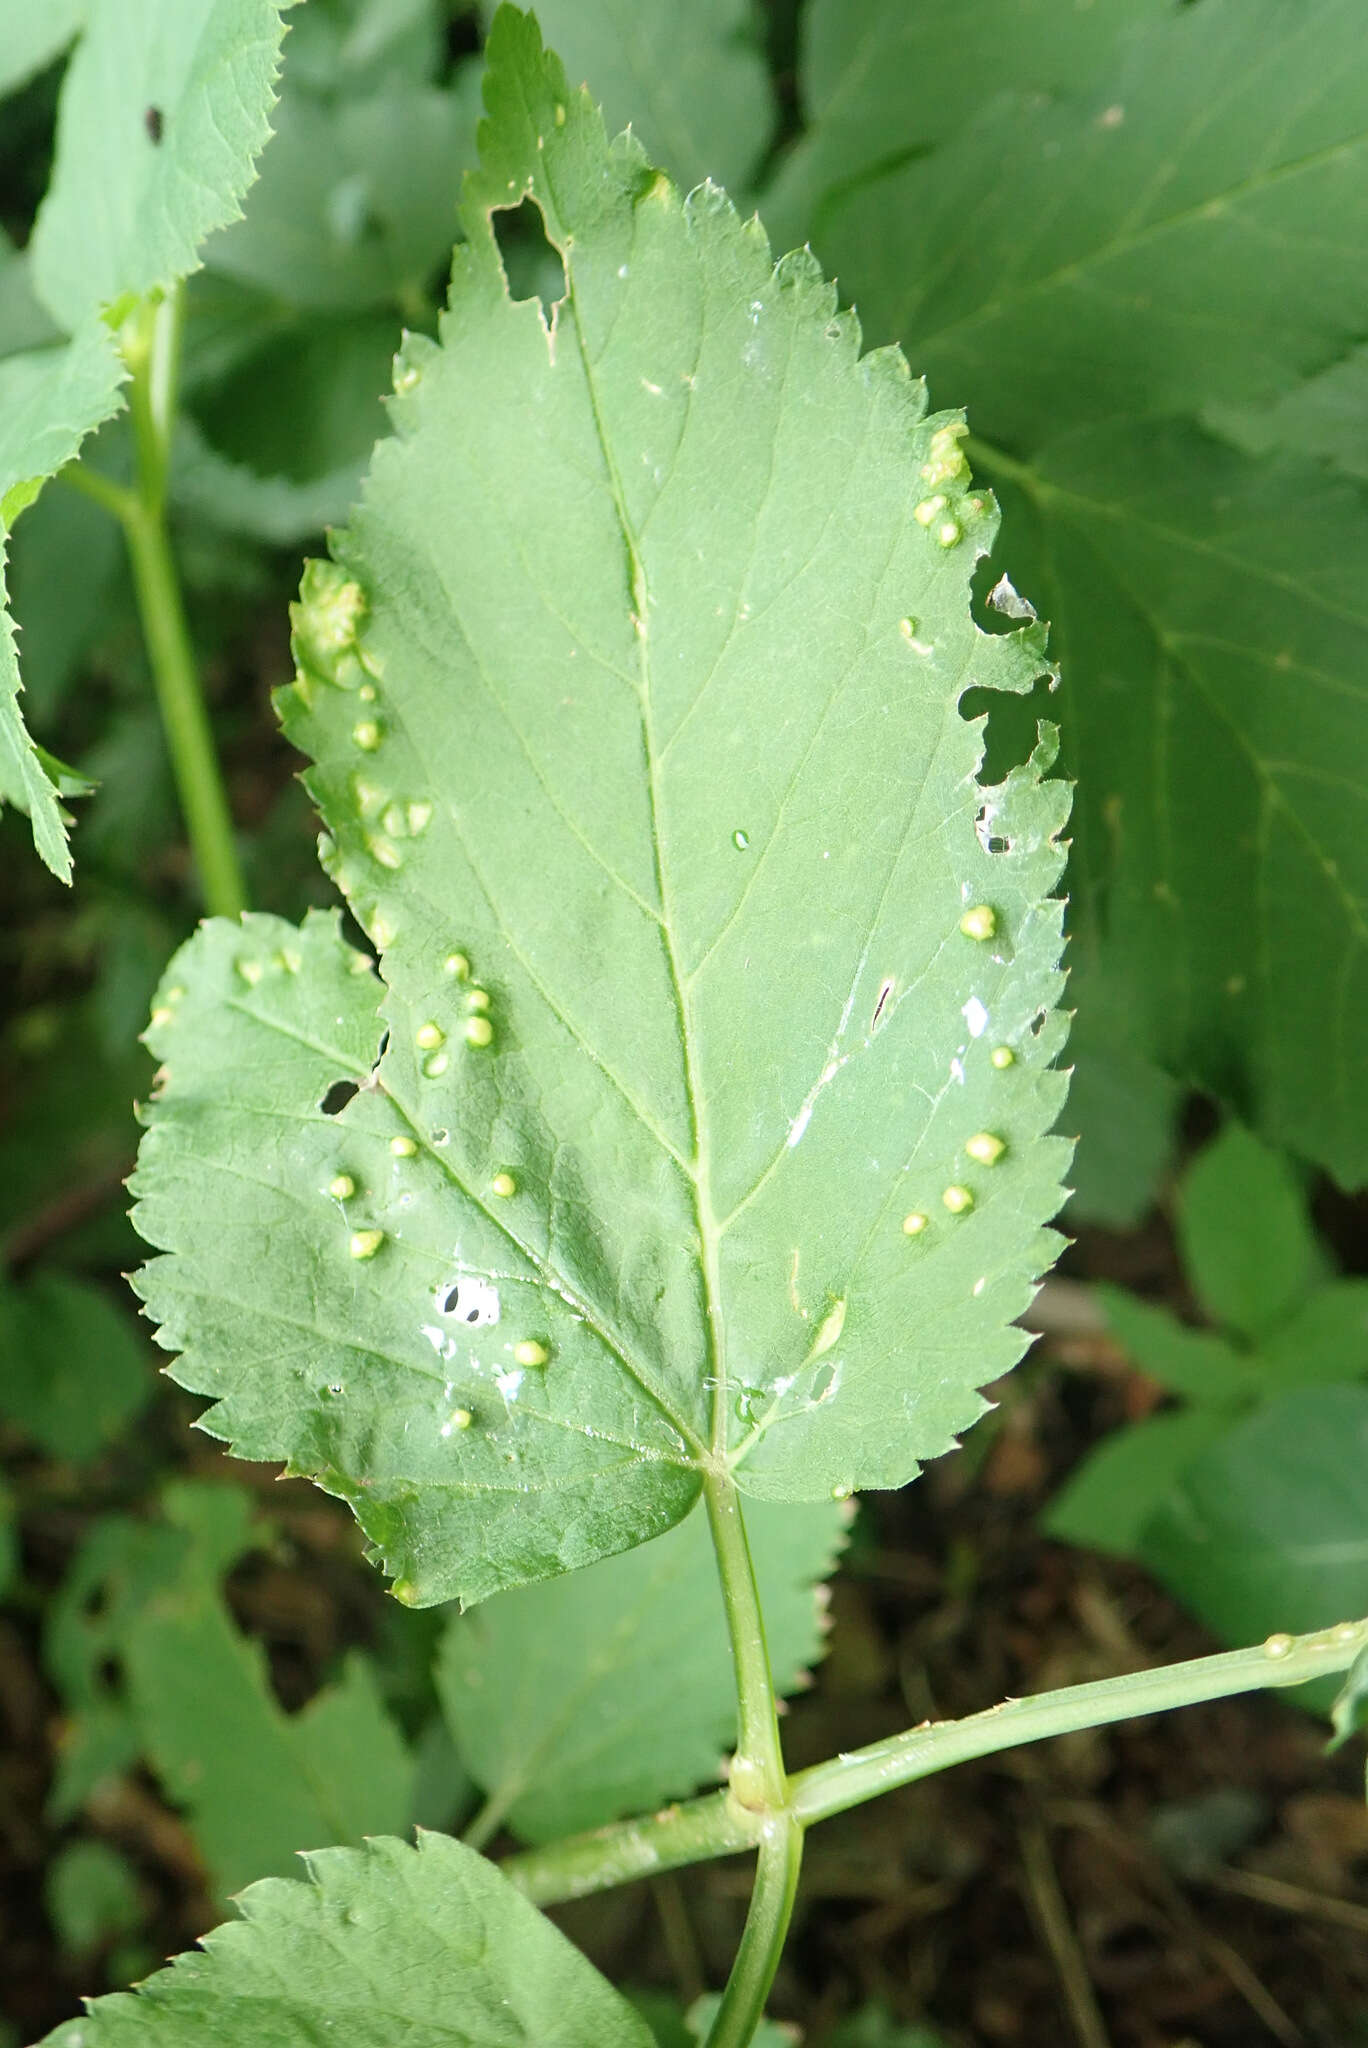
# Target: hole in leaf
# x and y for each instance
(470, 1300)
(531, 265)
(337, 1097)
(990, 841)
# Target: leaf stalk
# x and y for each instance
(150, 340)
(717, 1825)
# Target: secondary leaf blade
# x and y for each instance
(50, 399)
(1119, 245)
(1209, 615)
(163, 114)
(429, 1946)
(612, 1690)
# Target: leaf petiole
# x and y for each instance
(150, 341)
(716, 1825)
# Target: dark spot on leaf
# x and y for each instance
(152, 122)
(337, 1097)
(885, 992)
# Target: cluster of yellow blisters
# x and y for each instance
(985, 1148)
(945, 464)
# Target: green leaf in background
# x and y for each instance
(1325, 416)
(692, 82)
(430, 1946)
(1106, 1502)
(570, 1703)
(1198, 1364)
(356, 203)
(1245, 1235)
(1126, 1108)
(1251, 1257)
(258, 1785)
(23, 322)
(881, 82)
(1264, 1532)
(73, 1368)
(1174, 231)
(50, 399)
(1211, 644)
(32, 34)
(1119, 254)
(163, 114)
(769, 2034)
(1325, 1339)
(645, 648)
(92, 1895)
(358, 45)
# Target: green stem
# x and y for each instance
(762, 1943)
(717, 1825)
(758, 1778)
(759, 1785)
(151, 344)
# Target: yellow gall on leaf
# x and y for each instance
(986, 1147)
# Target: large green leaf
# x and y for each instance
(428, 1946)
(1209, 614)
(692, 81)
(1181, 231)
(50, 399)
(612, 1690)
(881, 81)
(1190, 227)
(719, 993)
(163, 114)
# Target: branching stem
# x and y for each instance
(717, 1825)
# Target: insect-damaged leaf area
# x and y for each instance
(710, 1123)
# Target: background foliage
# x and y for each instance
(1129, 239)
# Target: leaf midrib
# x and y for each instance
(715, 1361)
